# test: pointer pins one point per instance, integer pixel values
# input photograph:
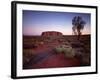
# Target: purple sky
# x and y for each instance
(36, 22)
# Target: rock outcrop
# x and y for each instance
(51, 34)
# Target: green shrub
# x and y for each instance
(66, 49)
(58, 49)
(69, 53)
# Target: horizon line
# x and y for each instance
(62, 35)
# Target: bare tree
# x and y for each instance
(78, 25)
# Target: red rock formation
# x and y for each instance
(51, 34)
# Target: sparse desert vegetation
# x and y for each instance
(40, 51)
(56, 39)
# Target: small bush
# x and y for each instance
(66, 49)
(58, 50)
(69, 53)
(27, 55)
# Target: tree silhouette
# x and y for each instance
(78, 25)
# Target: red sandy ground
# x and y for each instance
(56, 60)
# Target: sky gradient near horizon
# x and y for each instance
(36, 22)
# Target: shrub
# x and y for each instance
(58, 49)
(69, 53)
(66, 49)
(27, 55)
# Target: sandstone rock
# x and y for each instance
(51, 34)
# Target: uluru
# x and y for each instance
(51, 33)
